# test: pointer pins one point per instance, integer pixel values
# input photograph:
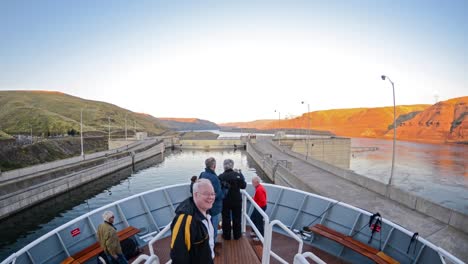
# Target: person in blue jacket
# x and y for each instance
(210, 174)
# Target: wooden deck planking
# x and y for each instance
(246, 251)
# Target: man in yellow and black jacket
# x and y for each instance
(192, 232)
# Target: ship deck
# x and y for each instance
(246, 250)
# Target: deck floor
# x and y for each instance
(246, 250)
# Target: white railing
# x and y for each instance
(156, 238)
(301, 258)
(246, 217)
(268, 229)
(289, 232)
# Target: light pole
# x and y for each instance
(125, 126)
(279, 135)
(108, 119)
(394, 129)
(81, 131)
(308, 128)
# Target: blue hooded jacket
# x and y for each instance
(218, 203)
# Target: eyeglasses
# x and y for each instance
(208, 194)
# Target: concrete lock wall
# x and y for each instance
(332, 150)
(26, 197)
(210, 144)
(285, 177)
(19, 173)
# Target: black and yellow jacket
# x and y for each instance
(190, 239)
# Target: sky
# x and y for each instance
(230, 61)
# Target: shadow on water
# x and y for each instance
(25, 222)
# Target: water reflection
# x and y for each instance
(437, 172)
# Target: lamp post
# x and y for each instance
(81, 132)
(394, 129)
(108, 119)
(279, 118)
(308, 128)
(125, 126)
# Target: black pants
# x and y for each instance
(257, 219)
(234, 209)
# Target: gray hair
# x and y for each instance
(107, 215)
(228, 164)
(210, 162)
(199, 183)
(256, 179)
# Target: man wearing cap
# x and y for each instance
(109, 240)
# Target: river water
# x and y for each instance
(438, 172)
(172, 168)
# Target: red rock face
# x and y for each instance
(443, 122)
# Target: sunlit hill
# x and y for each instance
(445, 121)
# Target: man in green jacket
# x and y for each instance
(109, 240)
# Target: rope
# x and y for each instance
(306, 228)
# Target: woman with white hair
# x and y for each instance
(232, 181)
(109, 240)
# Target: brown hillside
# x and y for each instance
(184, 120)
(445, 121)
(258, 124)
(355, 122)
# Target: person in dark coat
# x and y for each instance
(210, 174)
(192, 232)
(231, 183)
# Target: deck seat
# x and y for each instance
(347, 241)
(95, 249)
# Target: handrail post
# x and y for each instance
(266, 244)
(244, 209)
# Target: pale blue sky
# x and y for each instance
(237, 60)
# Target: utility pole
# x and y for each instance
(108, 119)
(394, 129)
(279, 134)
(125, 127)
(308, 129)
(81, 132)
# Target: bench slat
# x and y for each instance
(347, 241)
(95, 249)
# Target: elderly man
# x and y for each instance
(192, 231)
(232, 181)
(260, 198)
(109, 240)
(210, 174)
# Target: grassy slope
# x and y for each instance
(56, 113)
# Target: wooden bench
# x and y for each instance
(347, 241)
(95, 249)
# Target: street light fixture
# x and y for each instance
(394, 129)
(308, 128)
(279, 135)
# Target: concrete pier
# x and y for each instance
(444, 227)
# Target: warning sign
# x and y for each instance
(75, 232)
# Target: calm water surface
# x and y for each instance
(434, 171)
